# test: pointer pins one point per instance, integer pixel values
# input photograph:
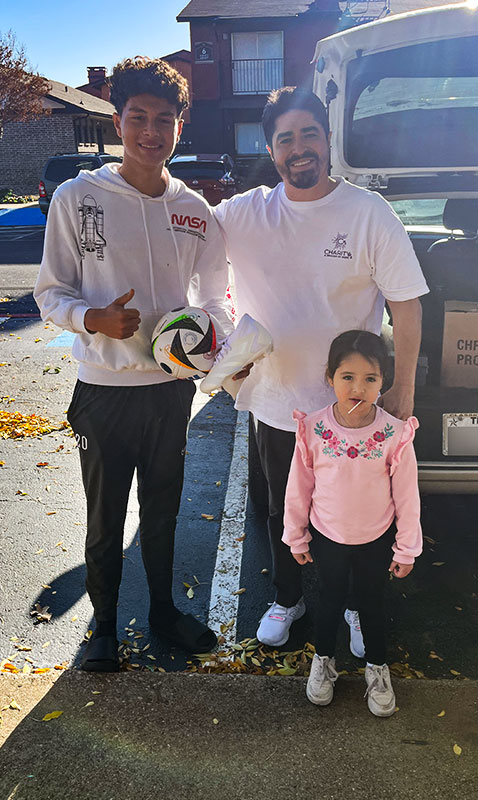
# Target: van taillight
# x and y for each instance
(41, 189)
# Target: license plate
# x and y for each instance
(460, 434)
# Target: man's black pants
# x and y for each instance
(276, 448)
(119, 429)
(369, 565)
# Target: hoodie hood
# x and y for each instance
(109, 179)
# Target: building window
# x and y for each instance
(250, 139)
(257, 62)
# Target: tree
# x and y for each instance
(21, 90)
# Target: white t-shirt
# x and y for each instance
(308, 271)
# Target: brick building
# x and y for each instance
(76, 122)
(241, 50)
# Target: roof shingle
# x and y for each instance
(240, 9)
(75, 97)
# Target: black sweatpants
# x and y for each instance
(276, 448)
(119, 429)
(369, 565)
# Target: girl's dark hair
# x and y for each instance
(367, 344)
(142, 75)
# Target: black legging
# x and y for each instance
(369, 565)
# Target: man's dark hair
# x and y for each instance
(291, 98)
(369, 345)
(141, 75)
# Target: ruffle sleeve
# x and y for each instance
(301, 436)
(406, 440)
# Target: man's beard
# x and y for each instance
(305, 179)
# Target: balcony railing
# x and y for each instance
(257, 75)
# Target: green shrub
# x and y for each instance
(8, 196)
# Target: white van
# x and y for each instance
(402, 96)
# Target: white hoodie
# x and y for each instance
(104, 237)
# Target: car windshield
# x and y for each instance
(61, 169)
(405, 106)
(197, 169)
(427, 212)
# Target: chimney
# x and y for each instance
(96, 74)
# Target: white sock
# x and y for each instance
(375, 665)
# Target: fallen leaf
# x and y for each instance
(457, 749)
(240, 538)
(432, 654)
(73, 619)
(441, 714)
(47, 644)
(190, 593)
(454, 672)
(52, 715)
(14, 705)
(215, 721)
(239, 591)
(132, 621)
(90, 703)
(207, 516)
(437, 563)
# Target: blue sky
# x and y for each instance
(62, 38)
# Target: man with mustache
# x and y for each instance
(313, 257)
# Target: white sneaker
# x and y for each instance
(274, 625)
(249, 342)
(357, 647)
(320, 686)
(380, 695)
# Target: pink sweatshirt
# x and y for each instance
(351, 483)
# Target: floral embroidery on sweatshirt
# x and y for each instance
(367, 448)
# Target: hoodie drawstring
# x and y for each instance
(175, 241)
(151, 272)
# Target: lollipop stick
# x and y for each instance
(355, 406)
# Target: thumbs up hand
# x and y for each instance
(114, 320)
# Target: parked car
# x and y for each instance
(402, 95)
(208, 174)
(62, 167)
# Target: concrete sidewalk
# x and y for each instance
(183, 736)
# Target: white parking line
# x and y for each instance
(224, 603)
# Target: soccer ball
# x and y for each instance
(183, 342)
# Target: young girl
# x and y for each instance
(352, 495)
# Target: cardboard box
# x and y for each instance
(459, 366)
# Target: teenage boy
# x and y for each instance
(313, 257)
(121, 250)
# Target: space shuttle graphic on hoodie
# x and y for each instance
(105, 237)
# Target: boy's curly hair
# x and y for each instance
(142, 75)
